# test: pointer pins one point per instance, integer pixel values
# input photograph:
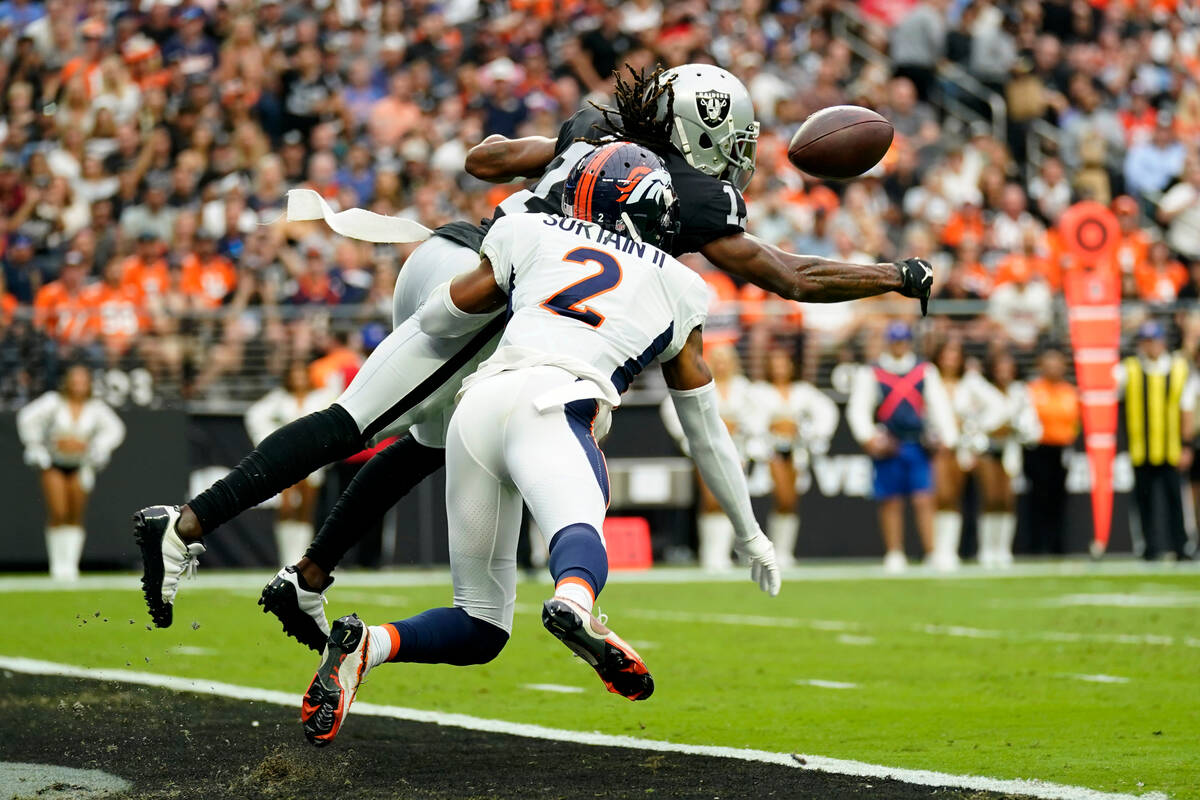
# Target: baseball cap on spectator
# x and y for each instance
(191, 14)
(1150, 330)
(20, 240)
(899, 332)
(147, 236)
(500, 69)
(73, 258)
(293, 138)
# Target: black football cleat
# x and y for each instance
(301, 611)
(165, 559)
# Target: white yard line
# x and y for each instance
(553, 687)
(811, 571)
(1096, 678)
(1066, 637)
(822, 684)
(1027, 788)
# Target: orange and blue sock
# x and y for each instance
(437, 636)
(579, 564)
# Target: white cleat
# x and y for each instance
(333, 687)
(895, 562)
(165, 559)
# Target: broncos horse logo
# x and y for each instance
(626, 186)
(641, 183)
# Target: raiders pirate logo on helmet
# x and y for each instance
(713, 107)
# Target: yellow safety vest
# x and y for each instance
(1152, 412)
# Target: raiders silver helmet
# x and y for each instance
(714, 125)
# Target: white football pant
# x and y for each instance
(500, 451)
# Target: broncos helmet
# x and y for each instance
(624, 188)
(713, 123)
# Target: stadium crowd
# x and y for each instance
(146, 148)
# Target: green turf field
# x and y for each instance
(1089, 680)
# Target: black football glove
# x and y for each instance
(916, 280)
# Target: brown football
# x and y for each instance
(840, 142)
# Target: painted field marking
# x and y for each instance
(553, 687)
(812, 571)
(19, 779)
(860, 641)
(921, 777)
(1127, 600)
(1067, 637)
(826, 684)
(1098, 678)
(191, 650)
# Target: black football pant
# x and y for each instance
(1158, 493)
(1046, 476)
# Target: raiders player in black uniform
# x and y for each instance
(409, 381)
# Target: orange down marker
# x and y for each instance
(1093, 294)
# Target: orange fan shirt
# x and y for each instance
(150, 278)
(209, 282)
(65, 316)
(118, 314)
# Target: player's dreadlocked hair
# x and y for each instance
(635, 119)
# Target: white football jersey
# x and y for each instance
(588, 300)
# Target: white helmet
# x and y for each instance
(714, 124)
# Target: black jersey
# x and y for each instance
(709, 208)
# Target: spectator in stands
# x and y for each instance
(1021, 305)
(1011, 225)
(1050, 191)
(117, 312)
(1092, 136)
(1133, 250)
(899, 411)
(153, 213)
(61, 310)
(1057, 404)
(1159, 278)
(1179, 211)
(21, 275)
(1159, 405)
(917, 42)
(69, 436)
(1151, 165)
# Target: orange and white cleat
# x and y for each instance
(332, 690)
(618, 665)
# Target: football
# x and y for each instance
(840, 142)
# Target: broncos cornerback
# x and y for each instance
(591, 303)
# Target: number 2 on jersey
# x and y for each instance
(569, 302)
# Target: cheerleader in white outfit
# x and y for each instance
(70, 436)
(734, 397)
(295, 399)
(980, 410)
(1001, 463)
(799, 420)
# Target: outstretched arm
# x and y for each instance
(814, 279)
(712, 450)
(498, 159)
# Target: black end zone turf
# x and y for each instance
(175, 746)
